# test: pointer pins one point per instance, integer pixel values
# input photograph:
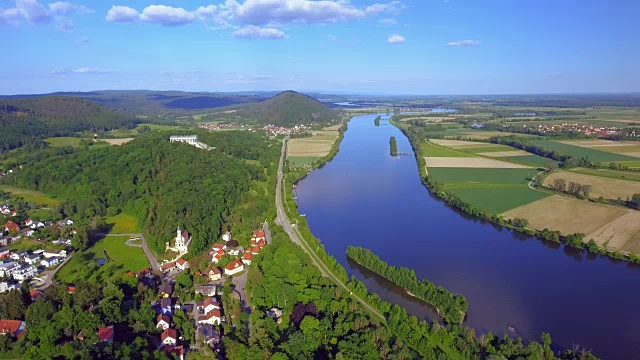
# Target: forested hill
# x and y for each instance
(163, 184)
(29, 120)
(289, 108)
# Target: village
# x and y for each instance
(589, 130)
(271, 130)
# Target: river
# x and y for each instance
(365, 197)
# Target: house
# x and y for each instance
(52, 261)
(209, 334)
(217, 246)
(4, 253)
(5, 210)
(206, 290)
(213, 317)
(11, 226)
(226, 236)
(12, 327)
(57, 253)
(168, 267)
(18, 255)
(214, 273)
(68, 222)
(25, 272)
(207, 305)
(166, 289)
(38, 252)
(169, 337)
(217, 256)
(275, 314)
(105, 334)
(28, 222)
(258, 235)
(6, 269)
(9, 285)
(176, 351)
(234, 267)
(262, 243)
(163, 322)
(28, 232)
(32, 259)
(255, 250)
(71, 289)
(182, 264)
(35, 294)
(166, 306)
(13, 213)
(246, 258)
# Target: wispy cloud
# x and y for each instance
(388, 21)
(461, 43)
(255, 32)
(32, 12)
(88, 70)
(393, 7)
(395, 39)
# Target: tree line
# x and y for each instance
(579, 190)
(376, 121)
(452, 307)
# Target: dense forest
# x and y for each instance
(164, 185)
(452, 307)
(393, 146)
(289, 108)
(29, 120)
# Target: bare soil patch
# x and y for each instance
(505, 153)
(118, 141)
(471, 162)
(308, 147)
(621, 234)
(333, 128)
(458, 143)
(566, 214)
(601, 186)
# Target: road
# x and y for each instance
(297, 237)
(152, 259)
(51, 274)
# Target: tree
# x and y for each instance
(560, 185)
(111, 303)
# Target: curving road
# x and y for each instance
(152, 259)
(296, 237)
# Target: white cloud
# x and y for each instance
(463, 43)
(392, 7)
(88, 70)
(388, 21)
(65, 8)
(32, 11)
(395, 39)
(261, 12)
(122, 14)
(332, 38)
(206, 12)
(64, 24)
(167, 15)
(255, 32)
(10, 16)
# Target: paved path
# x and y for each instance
(297, 238)
(51, 274)
(152, 259)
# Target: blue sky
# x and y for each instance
(360, 46)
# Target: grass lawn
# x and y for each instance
(31, 195)
(472, 176)
(121, 258)
(534, 160)
(63, 141)
(578, 152)
(302, 159)
(433, 150)
(498, 199)
(612, 174)
(123, 224)
(25, 244)
(40, 214)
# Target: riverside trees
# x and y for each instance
(393, 146)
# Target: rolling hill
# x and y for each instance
(289, 108)
(29, 120)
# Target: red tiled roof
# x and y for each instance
(163, 317)
(256, 249)
(185, 234)
(247, 256)
(106, 333)
(9, 326)
(234, 264)
(11, 225)
(168, 266)
(262, 243)
(214, 269)
(35, 294)
(181, 261)
(259, 234)
(209, 301)
(169, 333)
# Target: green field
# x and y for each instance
(433, 150)
(631, 164)
(302, 159)
(63, 141)
(31, 196)
(488, 148)
(123, 258)
(534, 160)
(123, 224)
(40, 214)
(578, 152)
(498, 199)
(478, 176)
(612, 174)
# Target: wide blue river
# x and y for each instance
(367, 198)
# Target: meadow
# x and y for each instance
(433, 150)
(472, 176)
(579, 152)
(498, 199)
(123, 224)
(64, 141)
(32, 196)
(302, 159)
(532, 160)
(120, 259)
(607, 173)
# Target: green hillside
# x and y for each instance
(289, 108)
(30, 120)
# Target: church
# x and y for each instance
(182, 240)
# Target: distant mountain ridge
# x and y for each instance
(289, 108)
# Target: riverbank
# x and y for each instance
(519, 223)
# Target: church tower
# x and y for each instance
(179, 239)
